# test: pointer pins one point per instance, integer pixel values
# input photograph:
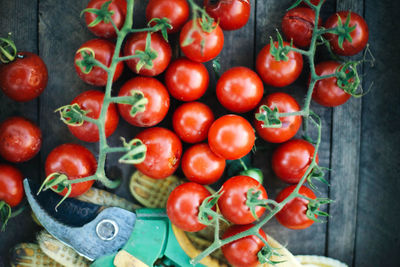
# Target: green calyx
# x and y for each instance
(269, 117)
(88, 60)
(103, 14)
(161, 25)
(278, 50)
(147, 56)
(8, 50)
(136, 152)
(137, 100)
(266, 253)
(254, 199)
(313, 209)
(207, 215)
(5, 214)
(343, 30)
(317, 174)
(72, 115)
(57, 182)
(348, 78)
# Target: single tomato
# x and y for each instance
(230, 14)
(11, 187)
(177, 12)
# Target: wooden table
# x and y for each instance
(361, 139)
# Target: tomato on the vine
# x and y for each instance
(11, 187)
(293, 214)
(20, 139)
(157, 106)
(177, 12)
(163, 155)
(103, 51)
(74, 161)
(230, 14)
(290, 125)
(25, 78)
(183, 206)
(239, 89)
(291, 160)
(191, 121)
(92, 101)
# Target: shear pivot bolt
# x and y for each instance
(107, 229)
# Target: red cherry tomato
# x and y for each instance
(291, 160)
(177, 12)
(103, 52)
(359, 35)
(157, 97)
(25, 78)
(243, 252)
(231, 14)
(201, 165)
(290, 125)
(205, 46)
(326, 91)
(278, 73)
(92, 101)
(11, 187)
(164, 150)
(137, 42)
(75, 161)
(293, 214)
(239, 89)
(298, 25)
(186, 80)
(106, 30)
(20, 139)
(231, 137)
(183, 206)
(232, 202)
(191, 121)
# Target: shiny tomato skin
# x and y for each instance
(75, 161)
(231, 14)
(201, 165)
(164, 151)
(92, 101)
(183, 206)
(213, 42)
(25, 78)
(243, 252)
(20, 139)
(278, 73)
(137, 42)
(239, 89)
(232, 202)
(11, 187)
(326, 92)
(291, 160)
(157, 97)
(298, 24)
(103, 50)
(106, 30)
(191, 121)
(177, 12)
(293, 214)
(359, 35)
(231, 137)
(186, 80)
(290, 125)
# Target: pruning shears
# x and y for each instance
(109, 236)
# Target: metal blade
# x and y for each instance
(106, 234)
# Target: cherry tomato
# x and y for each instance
(191, 121)
(326, 91)
(157, 97)
(231, 137)
(290, 125)
(102, 29)
(291, 160)
(186, 80)
(75, 161)
(183, 206)
(231, 14)
(293, 214)
(137, 42)
(239, 89)
(92, 101)
(204, 46)
(20, 139)
(164, 150)
(359, 35)
(298, 25)
(278, 73)
(25, 78)
(201, 165)
(232, 202)
(103, 51)
(243, 252)
(11, 187)
(177, 12)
